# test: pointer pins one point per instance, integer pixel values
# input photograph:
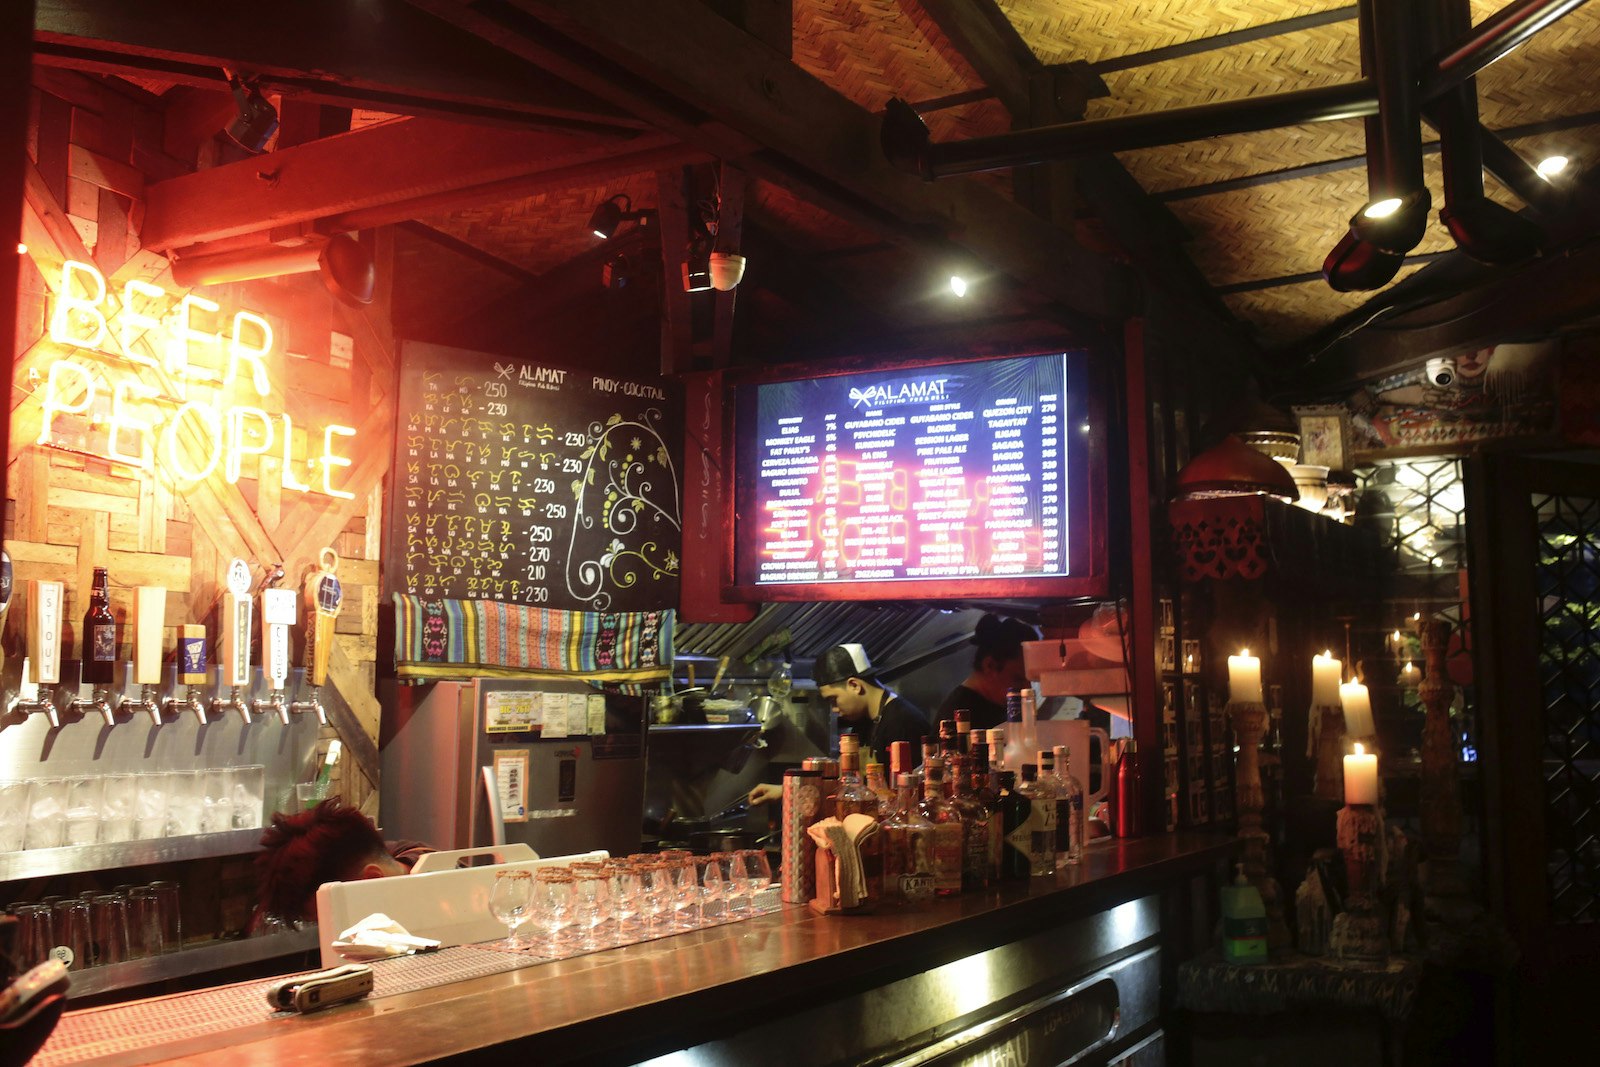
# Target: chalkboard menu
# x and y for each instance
(530, 483)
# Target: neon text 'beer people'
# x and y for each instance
(156, 332)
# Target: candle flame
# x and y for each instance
(1327, 653)
(1243, 652)
(1359, 750)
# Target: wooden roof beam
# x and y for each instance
(375, 54)
(692, 74)
(380, 174)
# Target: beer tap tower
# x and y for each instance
(191, 672)
(277, 615)
(149, 620)
(41, 670)
(236, 613)
(324, 595)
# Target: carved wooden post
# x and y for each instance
(1249, 727)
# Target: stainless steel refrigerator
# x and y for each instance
(565, 766)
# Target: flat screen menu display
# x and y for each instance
(957, 472)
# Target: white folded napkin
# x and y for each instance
(844, 840)
(378, 937)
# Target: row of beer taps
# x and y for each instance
(38, 693)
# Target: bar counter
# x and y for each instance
(851, 987)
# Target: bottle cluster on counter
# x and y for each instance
(959, 823)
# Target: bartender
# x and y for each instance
(996, 670)
(876, 714)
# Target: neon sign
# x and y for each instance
(159, 332)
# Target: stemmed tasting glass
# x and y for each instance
(713, 890)
(553, 901)
(656, 905)
(511, 901)
(591, 905)
(757, 872)
(685, 894)
(627, 893)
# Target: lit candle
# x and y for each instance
(1357, 709)
(1325, 675)
(1244, 678)
(1361, 777)
(1396, 642)
(1409, 675)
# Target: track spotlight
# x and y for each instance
(696, 268)
(1394, 223)
(1356, 264)
(609, 214)
(256, 119)
(617, 272)
(958, 285)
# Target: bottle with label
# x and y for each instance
(879, 784)
(1015, 809)
(907, 849)
(948, 842)
(99, 633)
(1051, 785)
(947, 738)
(986, 790)
(1073, 824)
(1127, 810)
(1037, 836)
(974, 827)
(997, 747)
(900, 763)
(963, 731)
(854, 798)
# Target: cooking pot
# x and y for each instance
(705, 842)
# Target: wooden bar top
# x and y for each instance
(651, 998)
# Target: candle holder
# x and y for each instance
(1250, 720)
(1361, 930)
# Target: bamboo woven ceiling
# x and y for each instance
(1261, 210)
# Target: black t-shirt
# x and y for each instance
(986, 714)
(898, 720)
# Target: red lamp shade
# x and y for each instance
(1233, 468)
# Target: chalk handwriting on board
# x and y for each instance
(532, 484)
(629, 486)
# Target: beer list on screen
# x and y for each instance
(951, 471)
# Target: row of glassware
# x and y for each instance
(583, 906)
(107, 808)
(97, 928)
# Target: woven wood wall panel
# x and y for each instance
(1240, 155)
(69, 512)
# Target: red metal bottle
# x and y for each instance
(1126, 815)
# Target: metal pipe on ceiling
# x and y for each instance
(1493, 38)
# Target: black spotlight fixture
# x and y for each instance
(255, 121)
(696, 267)
(613, 212)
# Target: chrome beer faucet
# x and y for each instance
(146, 703)
(235, 701)
(99, 700)
(173, 707)
(314, 705)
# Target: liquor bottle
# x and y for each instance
(879, 784)
(1037, 836)
(930, 749)
(1015, 809)
(1073, 824)
(1127, 813)
(947, 738)
(986, 791)
(907, 848)
(974, 827)
(854, 798)
(963, 731)
(947, 834)
(900, 763)
(1051, 785)
(99, 633)
(997, 747)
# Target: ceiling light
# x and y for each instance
(958, 285)
(1382, 209)
(255, 119)
(1550, 166)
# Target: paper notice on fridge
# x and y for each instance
(596, 707)
(555, 715)
(577, 713)
(510, 713)
(511, 777)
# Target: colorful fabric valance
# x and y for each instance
(488, 639)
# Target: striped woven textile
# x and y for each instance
(487, 639)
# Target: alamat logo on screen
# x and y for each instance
(905, 391)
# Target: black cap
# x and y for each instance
(840, 663)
